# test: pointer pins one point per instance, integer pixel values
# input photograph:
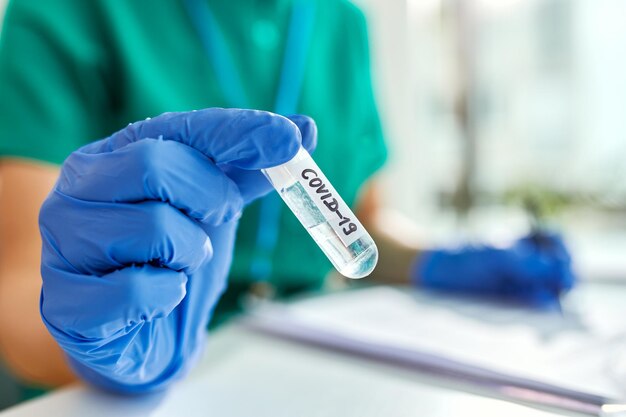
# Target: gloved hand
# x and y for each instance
(535, 270)
(138, 237)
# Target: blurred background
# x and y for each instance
(492, 107)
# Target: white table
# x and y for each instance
(249, 374)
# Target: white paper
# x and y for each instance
(581, 350)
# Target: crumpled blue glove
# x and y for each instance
(138, 237)
(535, 270)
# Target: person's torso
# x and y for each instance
(160, 65)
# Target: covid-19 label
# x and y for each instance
(325, 197)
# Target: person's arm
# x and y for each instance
(25, 344)
(54, 74)
(534, 270)
(396, 256)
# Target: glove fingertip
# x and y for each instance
(308, 130)
(260, 140)
(288, 140)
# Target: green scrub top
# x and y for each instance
(73, 71)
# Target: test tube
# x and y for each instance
(332, 225)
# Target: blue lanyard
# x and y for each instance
(286, 101)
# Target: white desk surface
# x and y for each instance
(248, 374)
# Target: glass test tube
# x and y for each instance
(322, 212)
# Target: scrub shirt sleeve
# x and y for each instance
(53, 77)
(371, 152)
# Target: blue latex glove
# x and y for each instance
(535, 270)
(138, 238)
